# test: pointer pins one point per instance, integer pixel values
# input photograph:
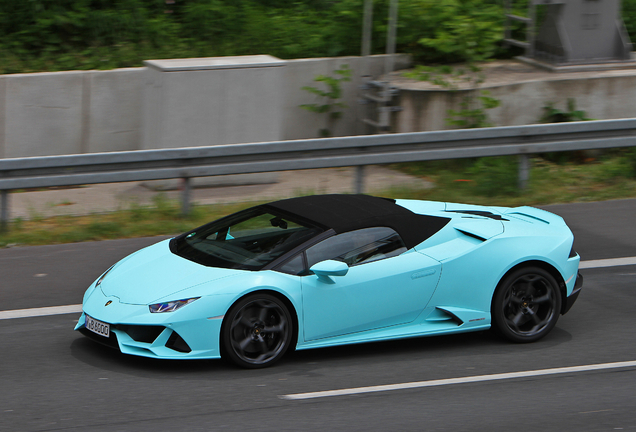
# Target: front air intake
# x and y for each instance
(141, 333)
(176, 342)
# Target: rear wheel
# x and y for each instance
(526, 305)
(257, 331)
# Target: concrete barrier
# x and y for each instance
(73, 112)
(100, 111)
(115, 109)
(43, 114)
(302, 124)
(306, 124)
(211, 101)
(603, 95)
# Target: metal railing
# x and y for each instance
(186, 163)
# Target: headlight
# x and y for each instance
(170, 306)
(101, 278)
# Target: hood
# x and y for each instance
(154, 273)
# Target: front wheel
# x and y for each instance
(257, 331)
(526, 305)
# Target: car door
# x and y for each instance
(383, 287)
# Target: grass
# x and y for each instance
(494, 183)
(161, 218)
(488, 181)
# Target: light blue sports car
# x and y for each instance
(328, 270)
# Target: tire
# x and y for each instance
(257, 331)
(526, 305)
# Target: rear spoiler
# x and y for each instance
(532, 214)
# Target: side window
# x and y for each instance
(358, 247)
(294, 266)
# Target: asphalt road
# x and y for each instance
(53, 379)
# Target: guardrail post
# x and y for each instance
(358, 184)
(185, 196)
(524, 171)
(4, 210)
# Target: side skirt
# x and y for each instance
(398, 332)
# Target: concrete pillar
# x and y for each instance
(212, 101)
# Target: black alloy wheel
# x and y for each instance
(526, 305)
(257, 331)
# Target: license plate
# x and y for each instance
(97, 327)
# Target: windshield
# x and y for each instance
(248, 240)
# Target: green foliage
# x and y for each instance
(330, 97)
(468, 180)
(448, 77)
(631, 160)
(105, 229)
(162, 217)
(165, 207)
(555, 115)
(39, 35)
(611, 173)
(472, 112)
(465, 30)
(629, 17)
(82, 34)
(616, 164)
(495, 176)
(49, 35)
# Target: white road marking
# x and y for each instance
(464, 380)
(44, 311)
(612, 262)
(58, 310)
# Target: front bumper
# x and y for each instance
(186, 334)
(569, 301)
(166, 342)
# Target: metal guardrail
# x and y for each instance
(142, 165)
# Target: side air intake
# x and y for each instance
(469, 234)
(440, 316)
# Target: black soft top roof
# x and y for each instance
(351, 212)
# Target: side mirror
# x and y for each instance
(325, 269)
